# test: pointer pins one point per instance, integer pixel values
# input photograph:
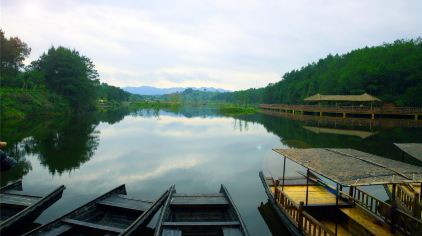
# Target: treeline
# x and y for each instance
(392, 72)
(59, 72)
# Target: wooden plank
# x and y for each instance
(126, 203)
(199, 200)
(198, 195)
(93, 226)
(202, 223)
(18, 200)
(21, 193)
(367, 221)
(317, 195)
(231, 231)
(58, 230)
(172, 232)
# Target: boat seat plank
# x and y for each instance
(57, 230)
(198, 195)
(366, 221)
(92, 225)
(199, 200)
(204, 223)
(231, 231)
(121, 201)
(172, 232)
(21, 193)
(18, 200)
(317, 195)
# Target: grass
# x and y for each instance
(235, 109)
(22, 103)
(153, 105)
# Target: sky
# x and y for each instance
(191, 43)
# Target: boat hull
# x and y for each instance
(283, 217)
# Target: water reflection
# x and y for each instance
(194, 148)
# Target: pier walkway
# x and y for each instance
(346, 111)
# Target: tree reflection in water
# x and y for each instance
(61, 144)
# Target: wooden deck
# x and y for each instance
(371, 225)
(317, 195)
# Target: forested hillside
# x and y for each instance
(60, 81)
(392, 72)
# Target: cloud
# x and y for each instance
(232, 45)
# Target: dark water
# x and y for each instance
(193, 148)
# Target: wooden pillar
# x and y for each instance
(416, 116)
(372, 116)
(344, 114)
(337, 209)
(307, 186)
(351, 192)
(284, 171)
(320, 113)
(300, 216)
(276, 183)
(420, 194)
(393, 193)
(416, 208)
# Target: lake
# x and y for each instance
(196, 149)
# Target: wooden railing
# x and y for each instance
(396, 218)
(346, 109)
(410, 201)
(371, 203)
(301, 219)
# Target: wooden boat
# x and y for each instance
(113, 213)
(19, 208)
(272, 220)
(308, 206)
(200, 214)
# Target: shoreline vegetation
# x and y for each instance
(62, 81)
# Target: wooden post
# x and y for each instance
(372, 116)
(416, 211)
(393, 217)
(336, 207)
(284, 171)
(420, 194)
(344, 114)
(351, 192)
(416, 116)
(276, 183)
(307, 185)
(300, 216)
(393, 193)
(320, 113)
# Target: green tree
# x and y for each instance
(13, 52)
(71, 75)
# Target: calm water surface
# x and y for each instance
(195, 149)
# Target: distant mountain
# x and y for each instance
(148, 90)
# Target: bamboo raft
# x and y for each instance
(200, 214)
(113, 213)
(309, 206)
(19, 208)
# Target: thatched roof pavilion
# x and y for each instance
(342, 98)
(413, 149)
(351, 167)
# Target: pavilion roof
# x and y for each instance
(342, 98)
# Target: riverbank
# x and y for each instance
(235, 109)
(19, 104)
